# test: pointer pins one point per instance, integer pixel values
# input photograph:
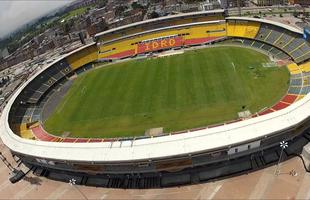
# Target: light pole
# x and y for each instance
(72, 183)
(283, 146)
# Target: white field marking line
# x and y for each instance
(217, 188)
(233, 66)
(83, 90)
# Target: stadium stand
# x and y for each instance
(45, 81)
(277, 53)
(291, 43)
(244, 29)
(305, 67)
(156, 40)
(86, 55)
(293, 68)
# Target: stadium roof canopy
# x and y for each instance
(157, 19)
(293, 29)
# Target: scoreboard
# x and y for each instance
(307, 34)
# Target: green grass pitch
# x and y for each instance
(195, 89)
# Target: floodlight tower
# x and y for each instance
(72, 182)
(283, 146)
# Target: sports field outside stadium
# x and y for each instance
(195, 89)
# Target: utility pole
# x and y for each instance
(283, 146)
(72, 182)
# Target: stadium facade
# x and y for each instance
(185, 157)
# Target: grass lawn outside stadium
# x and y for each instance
(194, 89)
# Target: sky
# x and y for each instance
(16, 13)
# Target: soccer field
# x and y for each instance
(197, 88)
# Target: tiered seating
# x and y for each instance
(264, 46)
(23, 131)
(40, 134)
(82, 57)
(305, 67)
(195, 34)
(298, 88)
(245, 29)
(293, 68)
(292, 43)
(37, 87)
(289, 98)
(285, 102)
(263, 33)
(274, 35)
(283, 40)
(204, 34)
(300, 79)
(296, 81)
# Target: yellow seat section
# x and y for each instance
(231, 25)
(299, 97)
(245, 29)
(23, 127)
(208, 30)
(293, 68)
(305, 67)
(23, 131)
(82, 57)
(191, 32)
(27, 134)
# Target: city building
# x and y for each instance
(232, 3)
(300, 2)
(269, 2)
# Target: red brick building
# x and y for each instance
(300, 2)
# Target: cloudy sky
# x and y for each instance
(15, 13)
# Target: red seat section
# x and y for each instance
(199, 40)
(280, 106)
(95, 140)
(41, 134)
(123, 54)
(289, 98)
(69, 140)
(82, 140)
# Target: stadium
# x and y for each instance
(170, 101)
